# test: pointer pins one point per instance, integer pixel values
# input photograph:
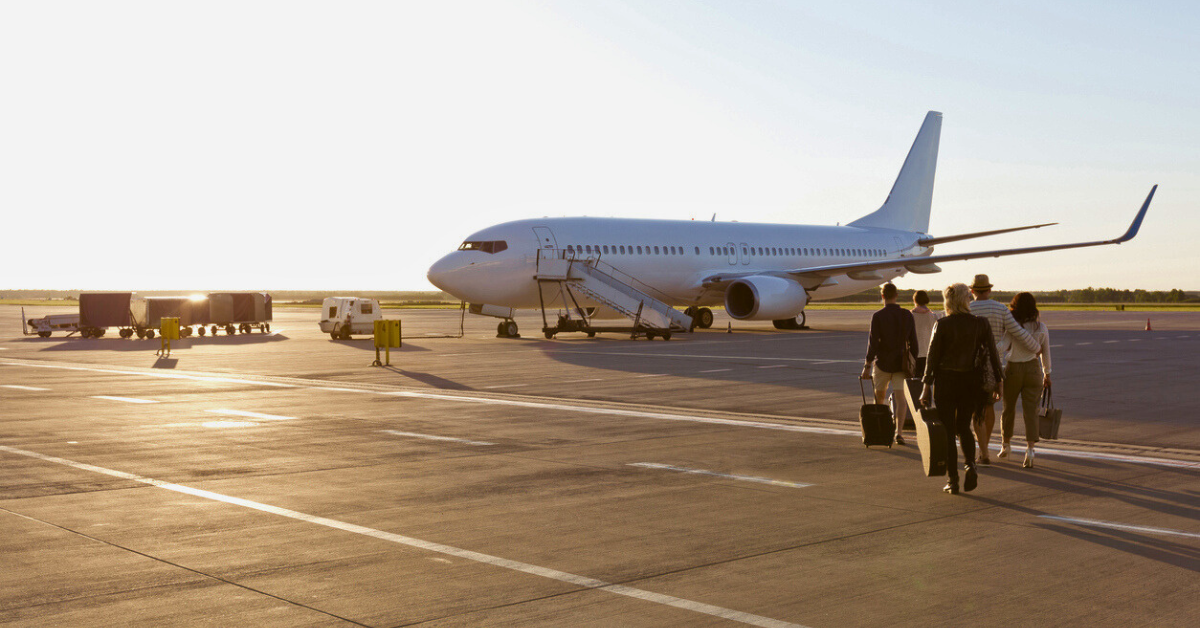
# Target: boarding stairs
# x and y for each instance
(588, 277)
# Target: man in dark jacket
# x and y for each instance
(892, 334)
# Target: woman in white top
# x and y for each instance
(1024, 376)
(923, 318)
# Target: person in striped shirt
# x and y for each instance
(1005, 330)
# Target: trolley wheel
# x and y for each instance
(666, 335)
(43, 334)
(201, 330)
(229, 330)
(266, 328)
(150, 333)
(549, 335)
(99, 332)
(649, 335)
(591, 334)
(141, 333)
(214, 330)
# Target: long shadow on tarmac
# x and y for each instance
(131, 344)
(1141, 545)
(428, 379)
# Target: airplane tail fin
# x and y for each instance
(907, 206)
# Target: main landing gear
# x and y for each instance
(702, 317)
(791, 323)
(507, 329)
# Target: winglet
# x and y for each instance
(1137, 221)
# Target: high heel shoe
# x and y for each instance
(1028, 464)
(1004, 449)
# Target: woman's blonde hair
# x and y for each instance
(957, 298)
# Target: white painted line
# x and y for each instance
(1057, 346)
(1121, 526)
(252, 415)
(495, 561)
(743, 478)
(1089, 455)
(774, 366)
(1135, 340)
(639, 414)
(715, 371)
(1082, 344)
(432, 437)
(506, 386)
(1109, 342)
(1183, 336)
(3, 348)
(221, 424)
(332, 389)
(16, 387)
(580, 381)
(706, 357)
(834, 362)
(125, 399)
(653, 375)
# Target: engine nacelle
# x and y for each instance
(764, 298)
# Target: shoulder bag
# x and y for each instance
(1048, 417)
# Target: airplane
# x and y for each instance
(757, 271)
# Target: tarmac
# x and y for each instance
(716, 479)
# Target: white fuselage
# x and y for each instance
(672, 257)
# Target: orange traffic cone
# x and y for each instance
(1148, 325)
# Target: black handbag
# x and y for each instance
(983, 368)
(1048, 417)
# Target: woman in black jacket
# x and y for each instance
(960, 354)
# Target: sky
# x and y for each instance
(347, 146)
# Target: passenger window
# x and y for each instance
(589, 248)
(622, 249)
(656, 250)
(366, 308)
(697, 250)
(332, 312)
(639, 249)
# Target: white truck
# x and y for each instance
(342, 317)
(45, 325)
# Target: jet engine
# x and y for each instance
(764, 298)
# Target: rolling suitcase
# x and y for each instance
(931, 434)
(876, 419)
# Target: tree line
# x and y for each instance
(1085, 295)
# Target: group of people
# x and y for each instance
(977, 353)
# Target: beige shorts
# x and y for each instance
(881, 378)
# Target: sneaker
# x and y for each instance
(899, 439)
(1028, 464)
(1004, 449)
(971, 481)
(951, 487)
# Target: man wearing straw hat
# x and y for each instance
(1005, 330)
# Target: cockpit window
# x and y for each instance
(489, 246)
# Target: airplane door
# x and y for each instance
(733, 256)
(745, 252)
(545, 238)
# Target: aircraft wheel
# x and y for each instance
(705, 318)
(800, 318)
(510, 329)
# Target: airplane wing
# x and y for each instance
(977, 234)
(813, 276)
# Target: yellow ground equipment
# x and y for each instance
(387, 335)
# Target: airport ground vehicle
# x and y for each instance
(130, 314)
(342, 317)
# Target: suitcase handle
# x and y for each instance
(863, 392)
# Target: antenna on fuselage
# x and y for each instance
(714, 218)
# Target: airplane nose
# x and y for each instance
(446, 273)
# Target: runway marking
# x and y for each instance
(743, 478)
(774, 366)
(125, 399)
(251, 415)
(715, 371)
(1089, 455)
(653, 375)
(580, 381)
(1109, 342)
(1135, 340)
(221, 424)
(16, 387)
(642, 414)
(1183, 336)
(1081, 344)
(506, 386)
(432, 437)
(447, 550)
(333, 389)
(1121, 526)
(705, 357)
